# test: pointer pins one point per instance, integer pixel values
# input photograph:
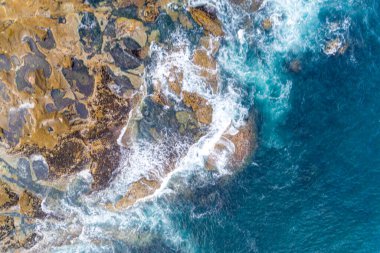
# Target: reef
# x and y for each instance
(74, 95)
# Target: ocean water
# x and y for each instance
(313, 185)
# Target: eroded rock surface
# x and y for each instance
(73, 98)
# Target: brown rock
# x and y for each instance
(69, 156)
(6, 226)
(138, 190)
(150, 11)
(131, 28)
(30, 205)
(8, 198)
(267, 24)
(203, 110)
(245, 142)
(235, 149)
(205, 19)
(207, 64)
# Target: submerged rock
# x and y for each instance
(248, 5)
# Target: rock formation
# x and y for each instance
(73, 95)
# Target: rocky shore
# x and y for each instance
(74, 94)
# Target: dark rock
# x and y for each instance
(110, 29)
(95, 3)
(5, 63)
(81, 110)
(68, 157)
(48, 41)
(32, 63)
(4, 92)
(131, 44)
(31, 240)
(124, 59)
(126, 12)
(40, 169)
(118, 84)
(79, 78)
(8, 198)
(61, 20)
(60, 101)
(7, 227)
(90, 33)
(16, 121)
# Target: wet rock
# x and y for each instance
(16, 122)
(40, 168)
(234, 148)
(187, 122)
(150, 11)
(8, 198)
(106, 107)
(95, 3)
(120, 85)
(124, 59)
(7, 227)
(207, 21)
(81, 110)
(48, 41)
(5, 63)
(130, 12)
(248, 5)
(131, 45)
(30, 205)
(208, 67)
(138, 190)
(32, 63)
(23, 169)
(30, 240)
(335, 46)
(4, 93)
(106, 158)
(79, 78)
(60, 101)
(203, 110)
(90, 33)
(131, 28)
(267, 24)
(61, 162)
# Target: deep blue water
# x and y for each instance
(320, 190)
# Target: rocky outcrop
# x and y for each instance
(208, 21)
(30, 205)
(201, 107)
(73, 99)
(8, 198)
